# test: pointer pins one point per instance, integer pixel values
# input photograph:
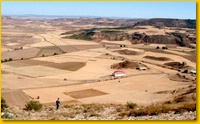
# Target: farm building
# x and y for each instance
(193, 71)
(141, 68)
(119, 73)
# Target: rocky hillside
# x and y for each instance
(180, 39)
(160, 22)
(118, 34)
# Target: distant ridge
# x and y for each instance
(167, 22)
(66, 16)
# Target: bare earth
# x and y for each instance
(79, 71)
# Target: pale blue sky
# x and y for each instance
(180, 10)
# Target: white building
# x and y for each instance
(119, 73)
(193, 71)
(141, 68)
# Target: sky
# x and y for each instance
(179, 10)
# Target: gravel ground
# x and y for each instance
(107, 114)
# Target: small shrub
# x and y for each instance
(10, 59)
(6, 115)
(164, 47)
(3, 104)
(55, 54)
(93, 114)
(67, 106)
(185, 71)
(179, 111)
(131, 105)
(33, 105)
(139, 112)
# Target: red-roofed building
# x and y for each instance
(119, 73)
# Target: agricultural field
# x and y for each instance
(39, 58)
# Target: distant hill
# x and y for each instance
(6, 18)
(118, 34)
(161, 22)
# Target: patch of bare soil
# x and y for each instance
(180, 78)
(74, 48)
(85, 47)
(127, 52)
(157, 58)
(71, 66)
(152, 32)
(85, 93)
(19, 39)
(51, 50)
(192, 58)
(126, 64)
(185, 97)
(110, 56)
(182, 95)
(15, 98)
(20, 54)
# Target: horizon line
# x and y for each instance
(89, 16)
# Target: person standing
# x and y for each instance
(57, 103)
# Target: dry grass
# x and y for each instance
(158, 109)
(88, 110)
(119, 111)
(129, 109)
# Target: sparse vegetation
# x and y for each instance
(10, 59)
(82, 35)
(6, 60)
(33, 105)
(159, 22)
(118, 111)
(55, 54)
(131, 105)
(158, 109)
(164, 48)
(3, 104)
(117, 46)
